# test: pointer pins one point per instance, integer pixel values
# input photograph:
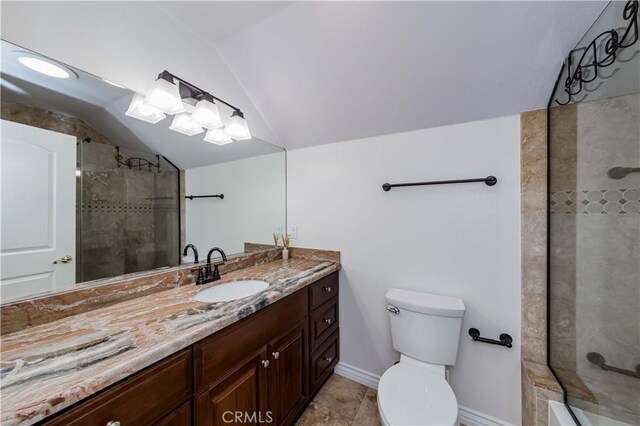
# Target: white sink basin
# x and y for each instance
(231, 291)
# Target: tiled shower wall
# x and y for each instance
(129, 217)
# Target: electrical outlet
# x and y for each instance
(294, 232)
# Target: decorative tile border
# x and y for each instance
(118, 207)
(604, 201)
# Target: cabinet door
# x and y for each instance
(240, 397)
(288, 378)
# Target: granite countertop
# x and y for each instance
(51, 366)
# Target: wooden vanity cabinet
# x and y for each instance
(148, 397)
(258, 365)
(288, 378)
(236, 397)
(262, 370)
(324, 330)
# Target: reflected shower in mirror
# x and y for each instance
(90, 193)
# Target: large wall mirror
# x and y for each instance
(87, 194)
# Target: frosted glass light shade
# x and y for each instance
(206, 114)
(217, 136)
(237, 127)
(182, 123)
(139, 109)
(165, 96)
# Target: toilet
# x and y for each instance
(425, 329)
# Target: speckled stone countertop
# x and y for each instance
(51, 366)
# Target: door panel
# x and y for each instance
(239, 398)
(288, 376)
(37, 210)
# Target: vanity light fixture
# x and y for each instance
(165, 95)
(237, 127)
(194, 110)
(217, 136)
(183, 123)
(44, 67)
(141, 110)
(206, 113)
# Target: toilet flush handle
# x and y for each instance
(393, 309)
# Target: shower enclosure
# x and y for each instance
(128, 217)
(594, 222)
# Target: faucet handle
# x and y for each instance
(216, 272)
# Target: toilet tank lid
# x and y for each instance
(426, 303)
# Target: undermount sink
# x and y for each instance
(231, 291)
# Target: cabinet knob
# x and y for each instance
(328, 358)
(327, 320)
(327, 289)
(275, 355)
(113, 423)
(265, 363)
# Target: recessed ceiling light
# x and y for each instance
(44, 67)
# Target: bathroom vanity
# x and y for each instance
(255, 360)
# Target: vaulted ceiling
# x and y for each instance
(309, 73)
(322, 72)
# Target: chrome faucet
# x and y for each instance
(212, 274)
(195, 252)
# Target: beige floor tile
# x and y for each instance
(368, 414)
(341, 395)
(318, 415)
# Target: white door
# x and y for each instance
(37, 210)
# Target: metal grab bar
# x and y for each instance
(505, 339)
(598, 360)
(489, 181)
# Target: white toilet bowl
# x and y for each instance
(413, 395)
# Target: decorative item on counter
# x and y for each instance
(276, 237)
(286, 239)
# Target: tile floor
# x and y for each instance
(342, 402)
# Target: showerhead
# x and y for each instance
(620, 172)
(595, 358)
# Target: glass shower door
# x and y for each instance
(594, 232)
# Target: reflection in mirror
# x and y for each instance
(88, 194)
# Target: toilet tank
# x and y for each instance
(425, 326)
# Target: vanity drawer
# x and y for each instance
(324, 321)
(323, 290)
(181, 416)
(143, 399)
(323, 360)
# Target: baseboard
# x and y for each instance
(357, 375)
(469, 417)
(466, 416)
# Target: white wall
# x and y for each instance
(252, 209)
(458, 240)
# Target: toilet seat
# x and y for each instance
(413, 395)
